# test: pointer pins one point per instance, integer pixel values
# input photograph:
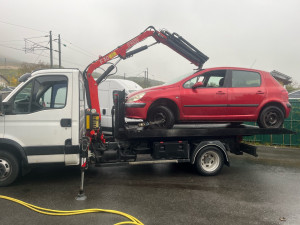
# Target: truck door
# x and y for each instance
(1, 126)
(40, 119)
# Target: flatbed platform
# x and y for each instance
(205, 130)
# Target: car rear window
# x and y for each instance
(242, 78)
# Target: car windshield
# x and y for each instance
(176, 79)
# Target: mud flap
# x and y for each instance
(249, 149)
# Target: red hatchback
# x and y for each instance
(222, 94)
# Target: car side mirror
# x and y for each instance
(197, 85)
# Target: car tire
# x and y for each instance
(9, 168)
(161, 112)
(271, 117)
(209, 161)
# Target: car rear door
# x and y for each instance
(245, 94)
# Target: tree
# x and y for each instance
(292, 86)
(30, 67)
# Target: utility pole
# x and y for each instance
(147, 77)
(51, 50)
(59, 52)
(124, 75)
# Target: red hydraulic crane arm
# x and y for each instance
(174, 41)
(91, 84)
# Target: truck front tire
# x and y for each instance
(209, 161)
(9, 168)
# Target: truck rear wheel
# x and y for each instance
(209, 161)
(9, 168)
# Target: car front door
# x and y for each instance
(208, 102)
(245, 94)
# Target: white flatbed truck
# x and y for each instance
(44, 121)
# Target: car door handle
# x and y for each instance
(220, 93)
(260, 92)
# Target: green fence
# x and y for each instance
(291, 123)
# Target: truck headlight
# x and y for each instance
(136, 97)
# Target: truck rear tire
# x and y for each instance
(9, 168)
(209, 161)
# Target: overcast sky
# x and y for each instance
(262, 34)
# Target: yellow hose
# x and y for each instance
(51, 212)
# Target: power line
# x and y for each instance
(91, 54)
(38, 37)
(11, 41)
(40, 55)
(22, 26)
(12, 47)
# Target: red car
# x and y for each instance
(223, 94)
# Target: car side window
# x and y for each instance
(245, 79)
(211, 79)
(215, 81)
(191, 82)
(45, 92)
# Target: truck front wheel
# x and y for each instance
(9, 168)
(209, 161)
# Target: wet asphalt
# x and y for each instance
(262, 191)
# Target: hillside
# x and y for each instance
(140, 80)
(12, 70)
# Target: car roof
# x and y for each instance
(232, 68)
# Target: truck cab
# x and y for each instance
(43, 118)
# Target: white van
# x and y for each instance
(105, 93)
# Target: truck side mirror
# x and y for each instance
(197, 85)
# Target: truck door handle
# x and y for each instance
(260, 92)
(220, 93)
(65, 122)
